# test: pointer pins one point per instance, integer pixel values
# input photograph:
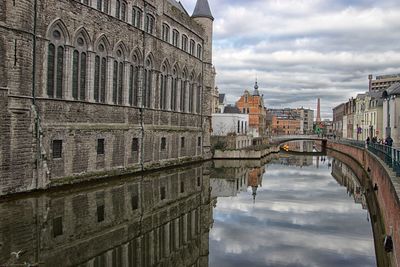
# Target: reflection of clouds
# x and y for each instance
(301, 217)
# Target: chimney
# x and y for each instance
(319, 110)
(370, 83)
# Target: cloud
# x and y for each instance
(303, 49)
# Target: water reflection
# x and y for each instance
(301, 217)
(283, 211)
(156, 220)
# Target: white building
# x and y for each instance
(391, 113)
(229, 124)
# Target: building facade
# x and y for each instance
(338, 124)
(391, 113)
(382, 82)
(286, 122)
(253, 104)
(125, 89)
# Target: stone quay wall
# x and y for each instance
(386, 180)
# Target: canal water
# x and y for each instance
(283, 211)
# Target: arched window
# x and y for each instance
(191, 93)
(149, 26)
(137, 17)
(198, 95)
(118, 76)
(183, 91)
(192, 47)
(199, 51)
(55, 63)
(134, 81)
(79, 68)
(175, 38)
(123, 11)
(163, 87)
(102, 5)
(174, 89)
(118, 9)
(148, 83)
(165, 32)
(184, 43)
(100, 73)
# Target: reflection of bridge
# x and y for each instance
(278, 140)
(304, 153)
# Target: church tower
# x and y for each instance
(203, 16)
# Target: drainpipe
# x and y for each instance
(36, 111)
(143, 84)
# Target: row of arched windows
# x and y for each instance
(121, 12)
(116, 76)
(181, 42)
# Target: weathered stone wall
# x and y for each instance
(160, 219)
(386, 195)
(35, 123)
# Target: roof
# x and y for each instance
(231, 109)
(394, 89)
(202, 10)
(179, 6)
(221, 98)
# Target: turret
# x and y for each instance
(203, 16)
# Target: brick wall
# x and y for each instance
(387, 197)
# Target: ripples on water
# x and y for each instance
(288, 212)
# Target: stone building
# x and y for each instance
(382, 82)
(92, 88)
(338, 113)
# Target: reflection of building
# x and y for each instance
(253, 104)
(346, 177)
(228, 181)
(297, 161)
(158, 220)
(255, 180)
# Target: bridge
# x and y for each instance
(278, 140)
(289, 138)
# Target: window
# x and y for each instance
(57, 226)
(175, 38)
(199, 141)
(123, 12)
(137, 17)
(102, 5)
(117, 9)
(100, 146)
(163, 143)
(55, 63)
(135, 201)
(174, 89)
(182, 187)
(184, 43)
(162, 193)
(148, 83)
(199, 51)
(198, 95)
(134, 81)
(57, 149)
(135, 145)
(100, 73)
(191, 93)
(198, 181)
(182, 142)
(149, 26)
(165, 32)
(192, 47)
(238, 127)
(100, 213)
(183, 91)
(163, 89)
(118, 77)
(79, 69)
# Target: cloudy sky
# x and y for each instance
(303, 49)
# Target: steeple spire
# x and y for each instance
(256, 92)
(202, 10)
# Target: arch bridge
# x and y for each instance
(279, 140)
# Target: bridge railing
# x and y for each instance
(388, 154)
(360, 144)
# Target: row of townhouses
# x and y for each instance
(373, 114)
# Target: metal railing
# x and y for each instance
(390, 155)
